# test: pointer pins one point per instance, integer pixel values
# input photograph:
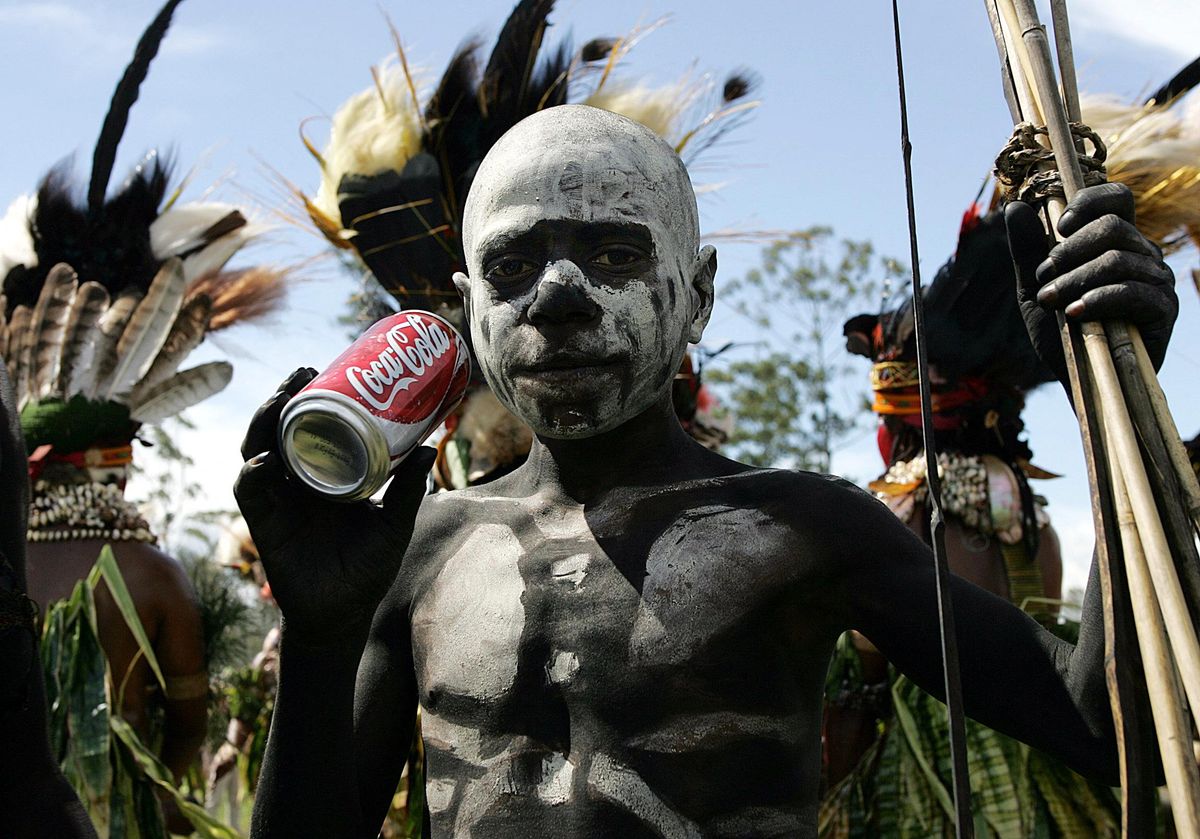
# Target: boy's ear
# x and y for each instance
(704, 271)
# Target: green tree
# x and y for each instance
(800, 395)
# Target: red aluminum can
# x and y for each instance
(350, 426)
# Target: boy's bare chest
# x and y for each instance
(529, 603)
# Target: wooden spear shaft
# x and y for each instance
(1162, 411)
(1164, 688)
(1171, 472)
(1171, 723)
(1118, 424)
(964, 827)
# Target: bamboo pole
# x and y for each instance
(1118, 425)
(964, 826)
(1123, 449)
(1161, 470)
(1122, 658)
(1166, 701)
(1158, 401)
(1188, 485)
(1165, 688)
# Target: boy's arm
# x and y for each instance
(1017, 677)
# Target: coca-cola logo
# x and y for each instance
(412, 346)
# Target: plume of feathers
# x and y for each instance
(374, 131)
(118, 110)
(111, 247)
(394, 179)
(1155, 151)
(104, 298)
(240, 296)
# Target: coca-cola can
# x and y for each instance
(350, 426)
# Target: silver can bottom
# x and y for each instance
(330, 445)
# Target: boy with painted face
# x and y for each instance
(628, 635)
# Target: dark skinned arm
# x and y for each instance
(180, 651)
(330, 565)
(35, 798)
(1017, 677)
(384, 711)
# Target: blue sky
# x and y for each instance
(235, 79)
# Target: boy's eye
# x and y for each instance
(617, 258)
(510, 268)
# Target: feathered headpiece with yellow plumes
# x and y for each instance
(1154, 149)
(395, 173)
(103, 301)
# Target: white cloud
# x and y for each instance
(58, 15)
(77, 28)
(1170, 25)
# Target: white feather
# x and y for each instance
(214, 257)
(375, 130)
(1165, 135)
(16, 240)
(181, 228)
(182, 391)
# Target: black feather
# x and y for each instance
(548, 87)
(1184, 80)
(504, 91)
(973, 324)
(456, 136)
(402, 232)
(597, 49)
(122, 101)
(408, 224)
(740, 84)
(111, 247)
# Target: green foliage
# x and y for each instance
(117, 778)
(902, 785)
(801, 393)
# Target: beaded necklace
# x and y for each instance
(68, 512)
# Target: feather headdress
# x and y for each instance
(105, 295)
(982, 358)
(396, 171)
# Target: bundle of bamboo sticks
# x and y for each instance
(1145, 497)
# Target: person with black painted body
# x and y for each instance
(629, 634)
(35, 799)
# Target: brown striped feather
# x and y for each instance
(147, 329)
(79, 339)
(186, 334)
(182, 391)
(112, 324)
(48, 327)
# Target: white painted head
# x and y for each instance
(585, 278)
